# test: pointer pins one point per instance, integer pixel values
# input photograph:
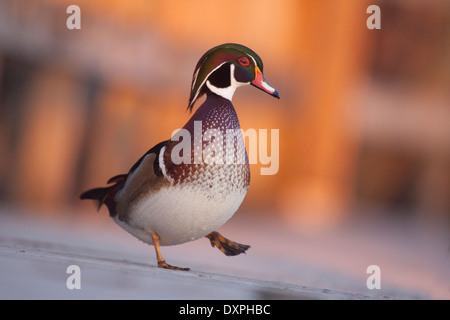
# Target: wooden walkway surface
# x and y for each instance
(281, 264)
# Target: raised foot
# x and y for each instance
(163, 264)
(228, 247)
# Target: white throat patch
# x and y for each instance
(227, 92)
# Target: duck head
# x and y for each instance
(224, 68)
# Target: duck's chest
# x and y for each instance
(209, 152)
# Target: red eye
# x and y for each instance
(243, 61)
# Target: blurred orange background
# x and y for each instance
(364, 115)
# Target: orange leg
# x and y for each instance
(161, 262)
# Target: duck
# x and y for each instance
(186, 187)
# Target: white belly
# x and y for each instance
(181, 213)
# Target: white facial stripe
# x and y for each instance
(195, 78)
(198, 90)
(254, 61)
(234, 82)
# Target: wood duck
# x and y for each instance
(173, 195)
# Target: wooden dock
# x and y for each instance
(281, 264)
